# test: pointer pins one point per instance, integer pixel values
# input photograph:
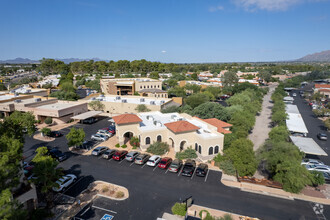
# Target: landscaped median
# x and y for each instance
(231, 181)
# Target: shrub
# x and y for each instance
(38, 121)
(134, 142)
(48, 120)
(120, 194)
(71, 120)
(317, 178)
(186, 154)
(158, 148)
(124, 146)
(117, 145)
(105, 189)
(45, 131)
(227, 167)
(179, 209)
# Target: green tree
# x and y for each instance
(279, 133)
(10, 208)
(211, 110)
(242, 156)
(265, 75)
(216, 91)
(48, 120)
(75, 137)
(193, 88)
(229, 80)
(196, 99)
(177, 91)
(45, 131)
(96, 105)
(154, 75)
(142, 108)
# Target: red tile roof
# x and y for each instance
(181, 126)
(221, 125)
(126, 119)
(324, 86)
(324, 90)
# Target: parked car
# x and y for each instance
(132, 155)
(108, 153)
(119, 155)
(99, 151)
(142, 159)
(202, 170)
(326, 176)
(294, 94)
(175, 166)
(87, 144)
(311, 162)
(57, 154)
(321, 168)
(189, 168)
(154, 160)
(99, 137)
(89, 120)
(64, 182)
(165, 162)
(112, 129)
(55, 134)
(104, 132)
(322, 136)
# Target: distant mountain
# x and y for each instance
(28, 61)
(323, 56)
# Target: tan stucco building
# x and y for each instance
(180, 131)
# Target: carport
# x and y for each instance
(308, 146)
(86, 115)
(295, 124)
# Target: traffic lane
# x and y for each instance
(148, 188)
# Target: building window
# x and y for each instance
(216, 149)
(148, 87)
(159, 138)
(140, 87)
(210, 150)
(196, 147)
(151, 86)
(200, 149)
(144, 86)
(158, 86)
(147, 140)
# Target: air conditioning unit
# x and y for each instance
(37, 99)
(117, 97)
(142, 100)
(124, 101)
(162, 102)
(28, 90)
(17, 100)
(152, 103)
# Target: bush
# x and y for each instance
(227, 167)
(317, 178)
(158, 148)
(38, 121)
(186, 154)
(105, 189)
(179, 209)
(117, 145)
(120, 194)
(45, 131)
(48, 120)
(134, 142)
(123, 146)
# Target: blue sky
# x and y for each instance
(164, 30)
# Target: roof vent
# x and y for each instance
(37, 99)
(17, 100)
(124, 101)
(150, 118)
(162, 102)
(152, 103)
(117, 97)
(142, 100)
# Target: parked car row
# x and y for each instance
(187, 169)
(316, 165)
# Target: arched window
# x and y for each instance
(144, 86)
(159, 138)
(216, 149)
(200, 149)
(147, 140)
(210, 150)
(196, 147)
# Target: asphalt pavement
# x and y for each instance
(154, 191)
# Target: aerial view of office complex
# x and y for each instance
(165, 110)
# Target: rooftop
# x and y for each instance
(181, 126)
(323, 86)
(132, 99)
(130, 79)
(58, 106)
(126, 119)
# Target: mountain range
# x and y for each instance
(323, 56)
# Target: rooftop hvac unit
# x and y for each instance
(162, 102)
(17, 100)
(152, 103)
(102, 95)
(124, 101)
(37, 99)
(28, 90)
(93, 98)
(150, 118)
(142, 100)
(173, 116)
(117, 97)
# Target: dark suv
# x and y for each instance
(189, 168)
(89, 120)
(57, 154)
(55, 134)
(202, 169)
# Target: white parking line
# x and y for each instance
(111, 159)
(107, 210)
(167, 170)
(180, 171)
(121, 161)
(193, 174)
(143, 165)
(132, 164)
(99, 157)
(207, 175)
(72, 185)
(155, 168)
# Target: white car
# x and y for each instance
(294, 94)
(311, 162)
(320, 168)
(99, 137)
(104, 132)
(64, 182)
(153, 160)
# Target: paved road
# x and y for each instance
(313, 124)
(262, 126)
(153, 192)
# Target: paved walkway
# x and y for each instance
(261, 129)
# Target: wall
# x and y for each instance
(139, 85)
(122, 129)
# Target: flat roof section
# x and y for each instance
(291, 109)
(86, 115)
(295, 123)
(308, 146)
(56, 106)
(133, 100)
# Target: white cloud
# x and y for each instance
(269, 5)
(216, 8)
(163, 51)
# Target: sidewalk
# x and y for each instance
(268, 191)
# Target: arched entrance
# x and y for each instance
(171, 142)
(182, 145)
(128, 135)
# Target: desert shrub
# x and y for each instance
(120, 194)
(179, 209)
(134, 142)
(117, 145)
(227, 167)
(189, 153)
(105, 189)
(48, 120)
(158, 148)
(317, 178)
(45, 131)
(124, 146)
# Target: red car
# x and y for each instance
(119, 155)
(165, 162)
